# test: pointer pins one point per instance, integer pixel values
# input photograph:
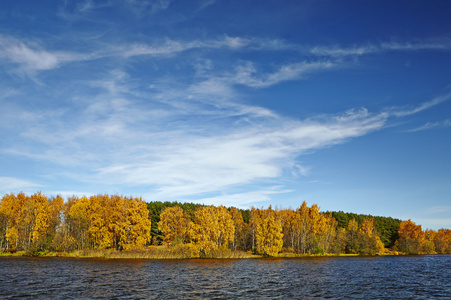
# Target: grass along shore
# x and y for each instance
(153, 252)
(163, 252)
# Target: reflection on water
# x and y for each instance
(356, 277)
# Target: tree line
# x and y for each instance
(98, 222)
(116, 222)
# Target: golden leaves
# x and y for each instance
(212, 228)
(174, 224)
(105, 221)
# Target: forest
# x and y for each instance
(38, 223)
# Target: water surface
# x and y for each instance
(392, 277)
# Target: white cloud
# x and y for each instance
(115, 141)
(247, 74)
(11, 184)
(184, 139)
(153, 6)
(421, 107)
(299, 170)
(241, 200)
(85, 6)
(429, 125)
(439, 45)
(433, 223)
(339, 51)
(359, 50)
(169, 46)
(204, 4)
(68, 194)
(31, 57)
(191, 165)
(439, 209)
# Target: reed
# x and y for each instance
(154, 252)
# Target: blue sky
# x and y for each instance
(341, 103)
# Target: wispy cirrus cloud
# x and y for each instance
(190, 158)
(200, 164)
(89, 5)
(148, 6)
(197, 139)
(171, 46)
(31, 57)
(242, 199)
(432, 125)
(360, 50)
(248, 75)
(194, 138)
(11, 184)
(439, 209)
(426, 105)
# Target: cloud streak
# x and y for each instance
(189, 139)
(421, 107)
(247, 74)
(434, 125)
(9, 184)
(118, 143)
(360, 50)
(31, 57)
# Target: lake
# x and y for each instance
(389, 277)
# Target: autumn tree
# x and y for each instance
(254, 218)
(340, 241)
(369, 240)
(135, 230)
(239, 238)
(27, 220)
(411, 237)
(352, 234)
(428, 245)
(174, 224)
(288, 219)
(269, 236)
(442, 241)
(3, 227)
(65, 236)
(302, 228)
(326, 233)
(212, 228)
(105, 221)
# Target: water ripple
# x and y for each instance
(407, 277)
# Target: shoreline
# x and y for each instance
(150, 255)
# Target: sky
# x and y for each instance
(344, 104)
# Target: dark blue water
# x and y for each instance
(393, 277)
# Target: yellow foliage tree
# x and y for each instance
(27, 220)
(288, 218)
(302, 227)
(212, 228)
(352, 241)
(411, 237)
(442, 241)
(428, 244)
(110, 222)
(239, 239)
(136, 228)
(269, 234)
(174, 225)
(326, 233)
(370, 237)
